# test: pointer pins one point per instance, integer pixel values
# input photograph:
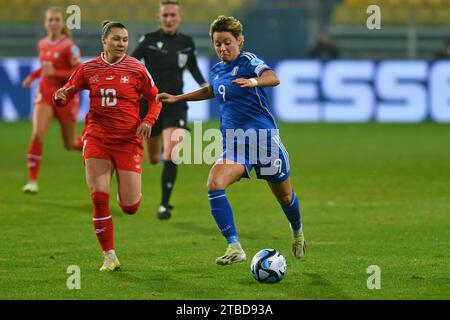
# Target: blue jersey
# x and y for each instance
(241, 108)
(247, 110)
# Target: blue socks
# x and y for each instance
(292, 212)
(222, 213)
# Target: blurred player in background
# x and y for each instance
(113, 132)
(59, 56)
(238, 85)
(167, 53)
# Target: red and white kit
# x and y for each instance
(113, 118)
(61, 54)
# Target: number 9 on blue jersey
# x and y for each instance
(221, 90)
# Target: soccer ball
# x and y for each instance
(268, 266)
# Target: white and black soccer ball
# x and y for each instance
(268, 266)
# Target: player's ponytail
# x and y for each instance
(66, 32)
(171, 2)
(107, 26)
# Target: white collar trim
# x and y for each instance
(102, 56)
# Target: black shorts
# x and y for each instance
(171, 116)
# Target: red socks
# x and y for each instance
(103, 224)
(130, 209)
(34, 157)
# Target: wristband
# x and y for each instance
(254, 82)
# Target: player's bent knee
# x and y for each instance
(69, 146)
(216, 184)
(130, 209)
(154, 160)
(96, 188)
(154, 157)
(285, 198)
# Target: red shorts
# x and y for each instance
(65, 114)
(126, 156)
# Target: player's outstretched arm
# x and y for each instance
(203, 93)
(30, 78)
(26, 83)
(76, 83)
(267, 79)
(63, 95)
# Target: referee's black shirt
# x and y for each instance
(166, 56)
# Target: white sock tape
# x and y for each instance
(254, 82)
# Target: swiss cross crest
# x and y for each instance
(137, 158)
(124, 79)
(93, 79)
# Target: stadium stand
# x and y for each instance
(27, 11)
(410, 28)
(21, 21)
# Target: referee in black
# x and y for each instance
(167, 53)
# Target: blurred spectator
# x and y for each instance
(444, 53)
(323, 49)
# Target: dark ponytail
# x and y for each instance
(108, 25)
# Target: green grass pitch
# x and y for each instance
(370, 194)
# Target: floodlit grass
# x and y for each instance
(370, 194)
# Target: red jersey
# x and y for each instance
(62, 54)
(114, 92)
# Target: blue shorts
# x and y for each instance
(270, 159)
